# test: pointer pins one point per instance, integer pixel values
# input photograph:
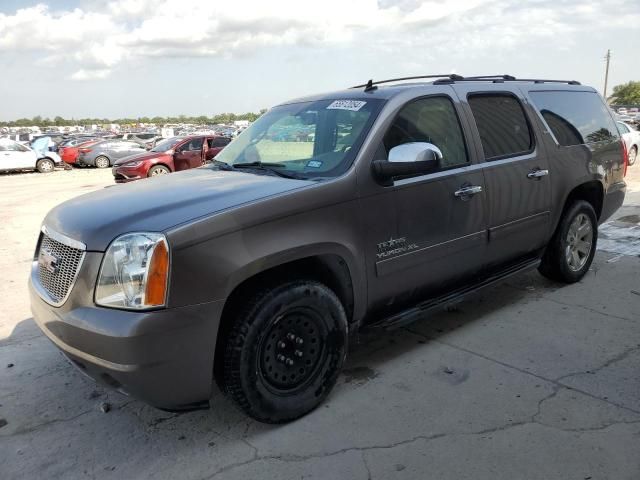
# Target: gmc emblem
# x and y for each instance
(48, 261)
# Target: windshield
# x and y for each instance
(311, 139)
(166, 144)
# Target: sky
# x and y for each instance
(133, 58)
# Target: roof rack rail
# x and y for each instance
(453, 78)
(371, 85)
(502, 79)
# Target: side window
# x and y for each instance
(12, 147)
(193, 145)
(502, 125)
(575, 117)
(432, 120)
(196, 144)
(622, 128)
(220, 142)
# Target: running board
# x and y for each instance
(416, 312)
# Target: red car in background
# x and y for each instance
(171, 155)
(69, 153)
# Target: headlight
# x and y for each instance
(132, 164)
(134, 272)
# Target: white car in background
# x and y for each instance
(631, 138)
(15, 156)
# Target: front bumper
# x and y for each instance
(163, 357)
(125, 175)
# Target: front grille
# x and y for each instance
(58, 266)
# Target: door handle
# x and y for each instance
(468, 191)
(537, 173)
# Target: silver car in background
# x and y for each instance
(104, 154)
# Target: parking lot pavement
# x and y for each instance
(529, 379)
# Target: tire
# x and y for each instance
(285, 351)
(563, 259)
(633, 154)
(158, 170)
(102, 162)
(45, 165)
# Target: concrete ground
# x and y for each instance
(527, 380)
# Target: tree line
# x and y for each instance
(626, 94)
(66, 122)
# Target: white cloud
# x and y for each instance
(100, 37)
(83, 74)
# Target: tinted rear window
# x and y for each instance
(575, 118)
(502, 125)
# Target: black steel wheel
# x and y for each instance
(285, 351)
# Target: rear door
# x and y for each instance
(215, 145)
(516, 173)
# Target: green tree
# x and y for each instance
(626, 94)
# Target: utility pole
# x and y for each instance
(606, 73)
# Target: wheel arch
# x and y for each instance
(591, 191)
(329, 268)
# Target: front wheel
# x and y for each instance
(285, 351)
(102, 162)
(45, 165)
(573, 246)
(158, 170)
(633, 154)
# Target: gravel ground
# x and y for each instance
(529, 379)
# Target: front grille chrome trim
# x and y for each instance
(68, 241)
(43, 291)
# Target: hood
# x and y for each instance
(139, 157)
(159, 203)
(41, 146)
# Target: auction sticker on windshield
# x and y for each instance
(353, 105)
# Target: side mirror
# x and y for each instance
(407, 160)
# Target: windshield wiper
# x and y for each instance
(268, 166)
(259, 164)
(222, 165)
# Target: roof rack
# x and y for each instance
(502, 79)
(453, 78)
(371, 85)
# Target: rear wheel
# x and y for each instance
(102, 162)
(573, 246)
(45, 165)
(633, 154)
(158, 170)
(285, 351)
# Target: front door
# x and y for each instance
(14, 156)
(189, 154)
(427, 234)
(516, 173)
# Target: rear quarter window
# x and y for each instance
(574, 117)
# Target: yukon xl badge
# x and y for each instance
(394, 246)
(48, 261)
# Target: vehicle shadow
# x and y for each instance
(42, 389)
